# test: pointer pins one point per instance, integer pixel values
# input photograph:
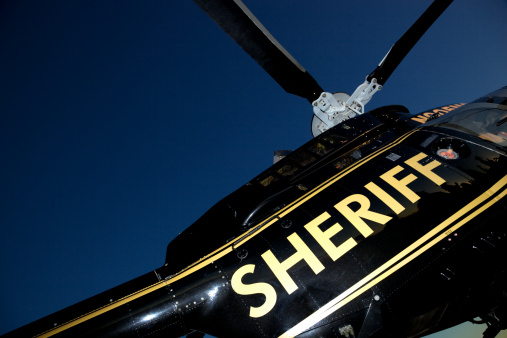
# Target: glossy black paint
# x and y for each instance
(457, 278)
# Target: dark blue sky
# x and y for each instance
(123, 122)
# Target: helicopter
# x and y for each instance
(377, 60)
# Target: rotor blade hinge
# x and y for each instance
(332, 109)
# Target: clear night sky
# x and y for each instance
(123, 121)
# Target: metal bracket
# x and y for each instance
(331, 109)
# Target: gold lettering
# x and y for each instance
(280, 269)
(356, 217)
(420, 118)
(426, 170)
(423, 117)
(249, 289)
(441, 111)
(324, 237)
(385, 197)
(448, 108)
(453, 106)
(401, 185)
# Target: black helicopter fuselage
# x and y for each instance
(388, 224)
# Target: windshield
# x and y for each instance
(482, 120)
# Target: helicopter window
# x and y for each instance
(487, 124)
(335, 139)
(319, 149)
(347, 159)
(303, 158)
(267, 181)
(343, 162)
(287, 169)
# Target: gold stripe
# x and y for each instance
(101, 310)
(129, 298)
(229, 245)
(334, 179)
(223, 250)
(395, 264)
(283, 212)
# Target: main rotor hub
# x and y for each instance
(332, 109)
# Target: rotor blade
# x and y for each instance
(401, 48)
(244, 28)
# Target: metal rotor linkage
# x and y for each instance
(332, 109)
